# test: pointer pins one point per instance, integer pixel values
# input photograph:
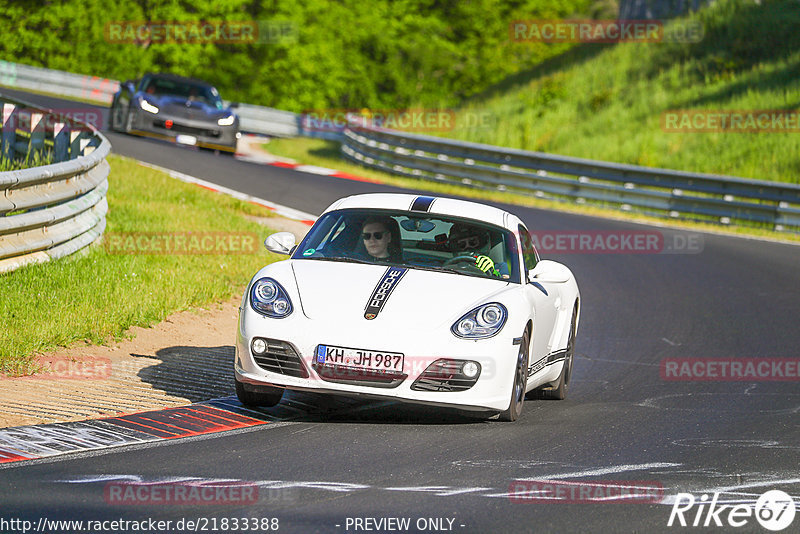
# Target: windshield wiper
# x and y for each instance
(344, 259)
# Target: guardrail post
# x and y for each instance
(75, 149)
(10, 114)
(37, 124)
(60, 142)
(23, 124)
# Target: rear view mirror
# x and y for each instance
(417, 225)
(280, 243)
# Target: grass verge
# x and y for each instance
(613, 102)
(326, 153)
(96, 295)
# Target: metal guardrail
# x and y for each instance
(49, 211)
(661, 192)
(60, 82)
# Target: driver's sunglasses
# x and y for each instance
(465, 243)
(366, 236)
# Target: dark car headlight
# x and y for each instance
(484, 321)
(148, 107)
(268, 297)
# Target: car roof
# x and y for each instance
(176, 78)
(429, 204)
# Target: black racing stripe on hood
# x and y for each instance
(383, 290)
(422, 203)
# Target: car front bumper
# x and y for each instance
(192, 132)
(490, 392)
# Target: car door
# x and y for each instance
(544, 301)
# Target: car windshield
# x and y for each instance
(430, 242)
(191, 91)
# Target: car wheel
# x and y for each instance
(128, 121)
(520, 381)
(117, 116)
(269, 396)
(559, 391)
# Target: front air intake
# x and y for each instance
(278, 357)
(446, 375)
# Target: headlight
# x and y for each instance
(484, 321)
(226, 121)
(268, 297)
(148, 107)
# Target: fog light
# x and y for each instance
(470, 369)
(259, 346)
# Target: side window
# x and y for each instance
(529, 255)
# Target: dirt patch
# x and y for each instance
(186, 358)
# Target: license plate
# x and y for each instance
(373, 360)
(186, 139)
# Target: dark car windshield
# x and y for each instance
(191, 91)
(425, 241)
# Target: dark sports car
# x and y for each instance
(184, 110)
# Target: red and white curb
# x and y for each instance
(44, 441)
(322, 171)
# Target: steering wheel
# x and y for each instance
(468, 262)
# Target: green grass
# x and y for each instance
(327, 154)
(606, 102)
(96, 295)
(38, 159)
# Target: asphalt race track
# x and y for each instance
(350, 466)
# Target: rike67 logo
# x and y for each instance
(774, 510)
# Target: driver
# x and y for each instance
(469, 241)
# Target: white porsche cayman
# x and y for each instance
(420, 299)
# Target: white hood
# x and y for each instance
(421, 299)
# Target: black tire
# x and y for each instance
(517, 397)
(117, 117)
(128, 124)
(268, 397)
(561, 387)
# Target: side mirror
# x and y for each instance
(129, 86)
(280, 243)
(548, 271)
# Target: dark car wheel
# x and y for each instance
(268, 396)
(117, 116)
(128, 126)
(520, 381)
